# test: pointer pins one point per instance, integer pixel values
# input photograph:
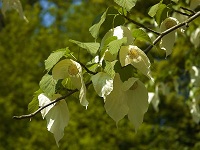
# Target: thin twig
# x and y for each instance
(54, 101)
(183, 13)
(141, 25)
(185, 23)
(190, 10)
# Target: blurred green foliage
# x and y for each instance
(23, 49)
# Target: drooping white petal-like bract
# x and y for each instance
(127, 98)
(168, 40)
(103, 84)
(69, 68)
(136, 57)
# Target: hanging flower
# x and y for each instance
(195, 76)
(168, 40)
(136, 57)
(13, 4)
(57, 115)
(68, 68)
(127, 98)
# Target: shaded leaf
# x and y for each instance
(34, 105)
(141, 35)
(94, 30)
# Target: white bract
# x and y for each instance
(127, 98)
(195, 76)
(13, 4)
(103, 84)
(168, 40)
(195, 37)
(68, 68)
(43, 101)
(154, 99)
(194, 105)
(57, 115)
(135, 56)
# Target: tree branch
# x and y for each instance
(185, 23)
(141, 25)
(54, 101)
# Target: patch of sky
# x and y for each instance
(47, 18)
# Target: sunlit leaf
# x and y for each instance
(54, 58)
(103, 84)
(115, 45)
(127, 4)
(57, 119)
(48, 84)
(153, 10)
(92, 48)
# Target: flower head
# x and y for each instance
(168, 40)
(69, 68)
(136, 57)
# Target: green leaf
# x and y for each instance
(54, 58)
(153, 10)
(92, 48)
(94, 30)
(141, 35)
(109, 68)
(34, 105)
(115, 45)
(57, 119)
(126, 4)
(103, 84)
(161, 13)
(48, 84)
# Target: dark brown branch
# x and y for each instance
(141, 25)
(185, 23)
(54, 101)
(182, 13)
(189, 10)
